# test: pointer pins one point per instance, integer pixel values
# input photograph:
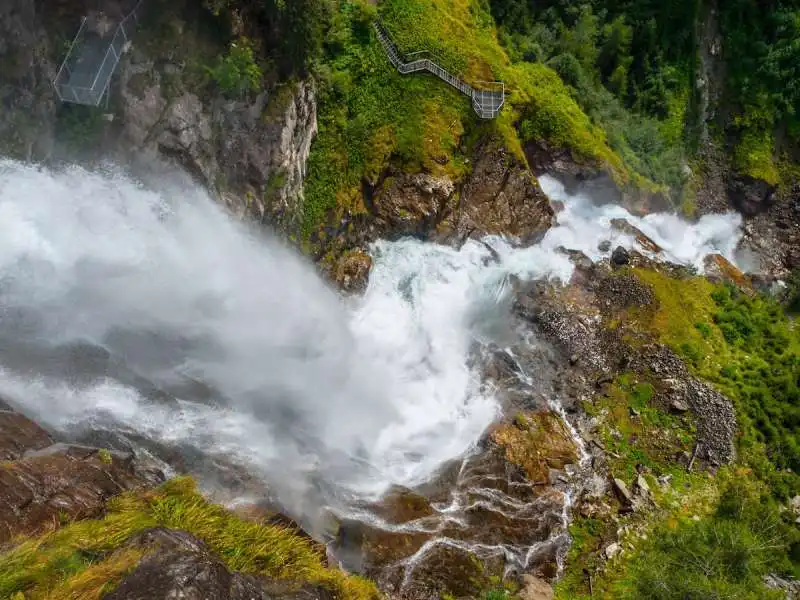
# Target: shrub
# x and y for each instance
(722, 556)
(236, 73)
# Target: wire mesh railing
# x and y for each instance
(487, 103)
(85, 74)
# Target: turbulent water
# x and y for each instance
(153, 314)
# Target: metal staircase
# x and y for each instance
(486, 103)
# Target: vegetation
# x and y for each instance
(724, 555)
(705, 537)
(632, 64)
(747, 347)
(236, 73)
(87, 558)
(371, 116)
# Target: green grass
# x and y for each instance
(635, 432)
(73, 557)
(371, 116)
(748, 348)
(722, 555)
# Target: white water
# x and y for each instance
(306, 390)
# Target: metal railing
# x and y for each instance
(487, 103)
(80, 84)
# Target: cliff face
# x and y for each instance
(250, 152)
(26, 95)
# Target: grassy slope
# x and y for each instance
(370, 114)
(747, 348)
(85, 559)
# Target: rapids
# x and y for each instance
(150, 313)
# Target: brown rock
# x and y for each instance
(534, 588)
(537, 442)
(719, 269)
(644, 241)
(62, 483)
(351, 271)
(412, 203)
(501, 196)
(19, 434)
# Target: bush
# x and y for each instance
(722, 556)
(236, 73)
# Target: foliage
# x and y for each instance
(236, 73)
(747, 347)
(632, 63)
(72, 562)
(638, 433)
(722, 556)
(371, 116)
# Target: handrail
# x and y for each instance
(112, 54)
(486, 103)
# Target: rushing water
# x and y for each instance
(153, 314)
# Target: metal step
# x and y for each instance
(486, 103)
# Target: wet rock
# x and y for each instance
(645, 242)
(27, 119)
(18, 434)
(62, 483)
(400, 505)
(620, 257)
(604, 246)
(719, 269)
(537, 442)
(252, 153)
(534, 588)
(750, 196)
(351, 271)
(412, 204)
(500, 196)
(448, 568)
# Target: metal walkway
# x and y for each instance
(93, 57)
(487, 103)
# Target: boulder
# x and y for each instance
(537, 442)
(643, 240)
(351, 271)
(18, 434)
(534, 588)
(412, 204)
(500, 196)
(622, 492)
(719, 269)
(612, 550)
(750, 196)
(620, 257)
(61, 483)
(179, 565)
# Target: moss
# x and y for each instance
(637, 433)
(73, 559)
(754, 156)
(537, 442)
(104, 456)
(371, 116)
